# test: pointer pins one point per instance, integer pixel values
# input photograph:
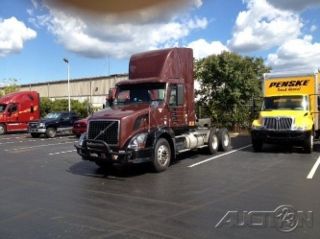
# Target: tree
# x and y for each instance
(10, 86)
(81, 108)
(228, 83)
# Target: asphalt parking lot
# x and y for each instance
(47, 191)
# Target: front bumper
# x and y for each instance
(97, 150)
(37, 130)
(283, 136)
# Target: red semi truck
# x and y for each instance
(152, 117)
(17, 110)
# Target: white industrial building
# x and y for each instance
(93, 89)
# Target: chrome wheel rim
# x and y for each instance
(214, 143)
(51, 133)
(1, 129)
(226, 140)
(163, 155)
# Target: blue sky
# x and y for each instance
(35, 35)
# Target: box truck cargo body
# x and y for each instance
(290, 111)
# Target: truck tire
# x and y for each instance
(2, 129)
(162, 155)
(213, 142)
(308, 144)
(35, 135)
(257, 145)
(51, 132)
(224, 140)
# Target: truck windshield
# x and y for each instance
(285, 103)
(52, 116)
(2, 107)
(140, 93)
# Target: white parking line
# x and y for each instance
(23, 137)
(21, 141)
(30, 140)
(62, 152)
(314, 169)
(219, 156)
(38, 146)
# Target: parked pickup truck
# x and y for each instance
(52, 124)
(79, 127)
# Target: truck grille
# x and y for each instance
(107, 131)
(278, 123)
(34, 125)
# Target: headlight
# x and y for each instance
(138, 141)
(300, 127)
(256, 127)
(42, 125)
(82, 138)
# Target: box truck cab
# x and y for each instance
(153, 115)
(17, 110)
(290, 111)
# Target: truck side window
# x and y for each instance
(173, 95)
(13, 108)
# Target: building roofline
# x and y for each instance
(73, 80)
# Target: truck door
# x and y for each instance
(13, 118)
(65, 122)
(177, 109)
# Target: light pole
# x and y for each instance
(68, 68)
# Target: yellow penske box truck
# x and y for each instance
(290, 111)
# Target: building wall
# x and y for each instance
(95, 89)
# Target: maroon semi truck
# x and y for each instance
(17, 110)
(152, 117)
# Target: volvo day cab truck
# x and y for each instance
(152, 117)
(290, 111)
(17, 110)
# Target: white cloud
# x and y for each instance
(262, 27)
(107, 35)
(13, 34)
(313, 28)
(296, 54)
(296, 5)
(202, 48)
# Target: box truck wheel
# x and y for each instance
(51, 132)
(162, 155)
(213, 142)
(257, 145)
(308, 144)
(2, 129)
(224, 139)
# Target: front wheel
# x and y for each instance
(2, 129)
(308, 144)
(162, 155)
(51, 132)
